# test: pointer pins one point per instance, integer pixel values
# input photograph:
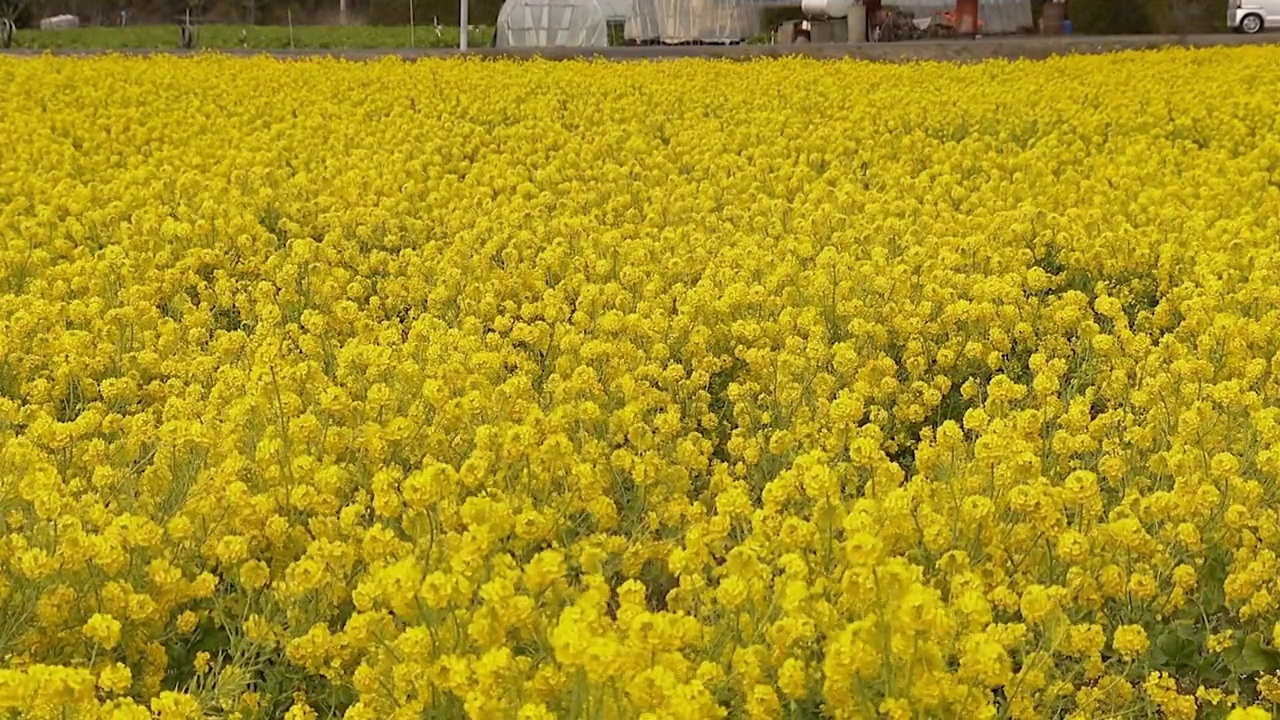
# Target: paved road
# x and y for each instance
(958, 50)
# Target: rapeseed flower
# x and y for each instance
(589, 390)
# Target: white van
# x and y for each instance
(1251, 16)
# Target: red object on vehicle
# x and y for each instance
(966, 17)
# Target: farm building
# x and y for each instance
(996, 17)
(587, 23)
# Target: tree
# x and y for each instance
(17, 12)
(252, 9)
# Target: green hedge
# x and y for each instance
(1122, 17)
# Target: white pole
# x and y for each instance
(290, 28)
(342, 12)
(413, 40)
(462, 25)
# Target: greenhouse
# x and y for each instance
(552, 23)
(692, 21)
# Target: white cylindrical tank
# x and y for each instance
(821, 9)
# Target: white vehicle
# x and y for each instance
(1251, 16)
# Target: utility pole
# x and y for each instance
(462, 25)
(342, 12)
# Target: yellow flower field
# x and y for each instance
(779, 389)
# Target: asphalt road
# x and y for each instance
(1021, 46)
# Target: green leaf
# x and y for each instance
(1178, 646)
(1255, 657)
(1185, 629)
(1216, 712)
(1209, 671)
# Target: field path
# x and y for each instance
(1032, 47)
